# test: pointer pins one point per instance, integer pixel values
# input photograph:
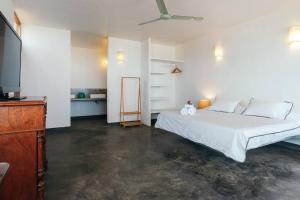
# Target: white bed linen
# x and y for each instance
(230, 133)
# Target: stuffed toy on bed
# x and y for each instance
(188, 109)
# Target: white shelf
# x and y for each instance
(167, 60)
(159, 73)
(159, 98)
(158, 86)
(88, 99)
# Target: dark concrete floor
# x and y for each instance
(92, 160)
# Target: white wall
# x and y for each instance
(89, 53)
(163, 51)
(257, 62)
(88, 108)
(7, 8)
(131, 67)
(87, 71)
(146, 83)
(46, 70)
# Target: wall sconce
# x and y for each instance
(219, 54)
(104, 63)
(120, 57)
(294, 36)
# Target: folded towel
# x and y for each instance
(192, 111)
(183, 111)
(188, 110)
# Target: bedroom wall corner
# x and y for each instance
(257, 61)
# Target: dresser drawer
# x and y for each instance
(21, 118)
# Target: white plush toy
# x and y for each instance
(188, 109)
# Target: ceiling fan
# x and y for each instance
(165, 15)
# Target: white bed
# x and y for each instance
(229, 133)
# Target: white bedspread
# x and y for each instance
(229, 133)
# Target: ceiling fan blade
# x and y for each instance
(151, 21)
(162, 7)
(179, 17)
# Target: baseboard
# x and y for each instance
(90, 117)
(58, 129)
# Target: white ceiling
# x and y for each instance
(119, 18)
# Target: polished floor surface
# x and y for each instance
(95, 161)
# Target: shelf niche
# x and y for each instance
(158, 63)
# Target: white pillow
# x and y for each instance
(293, 116)
(223, 105)
(242, 106)
(269, 109)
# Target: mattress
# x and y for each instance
(229, 133)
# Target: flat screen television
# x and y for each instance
(10, 59)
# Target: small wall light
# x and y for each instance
(120, 56)
(294, 36)
(104, 63)
(219, 53)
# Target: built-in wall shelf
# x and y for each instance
(159, 62)
(159, 86)
(88, 99)
(159, 73)
(159, 98)
(167, 60)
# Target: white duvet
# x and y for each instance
(229, 133)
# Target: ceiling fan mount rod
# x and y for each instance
(166, 17)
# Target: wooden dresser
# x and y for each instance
(22, 145)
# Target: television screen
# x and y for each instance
(10, 57)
